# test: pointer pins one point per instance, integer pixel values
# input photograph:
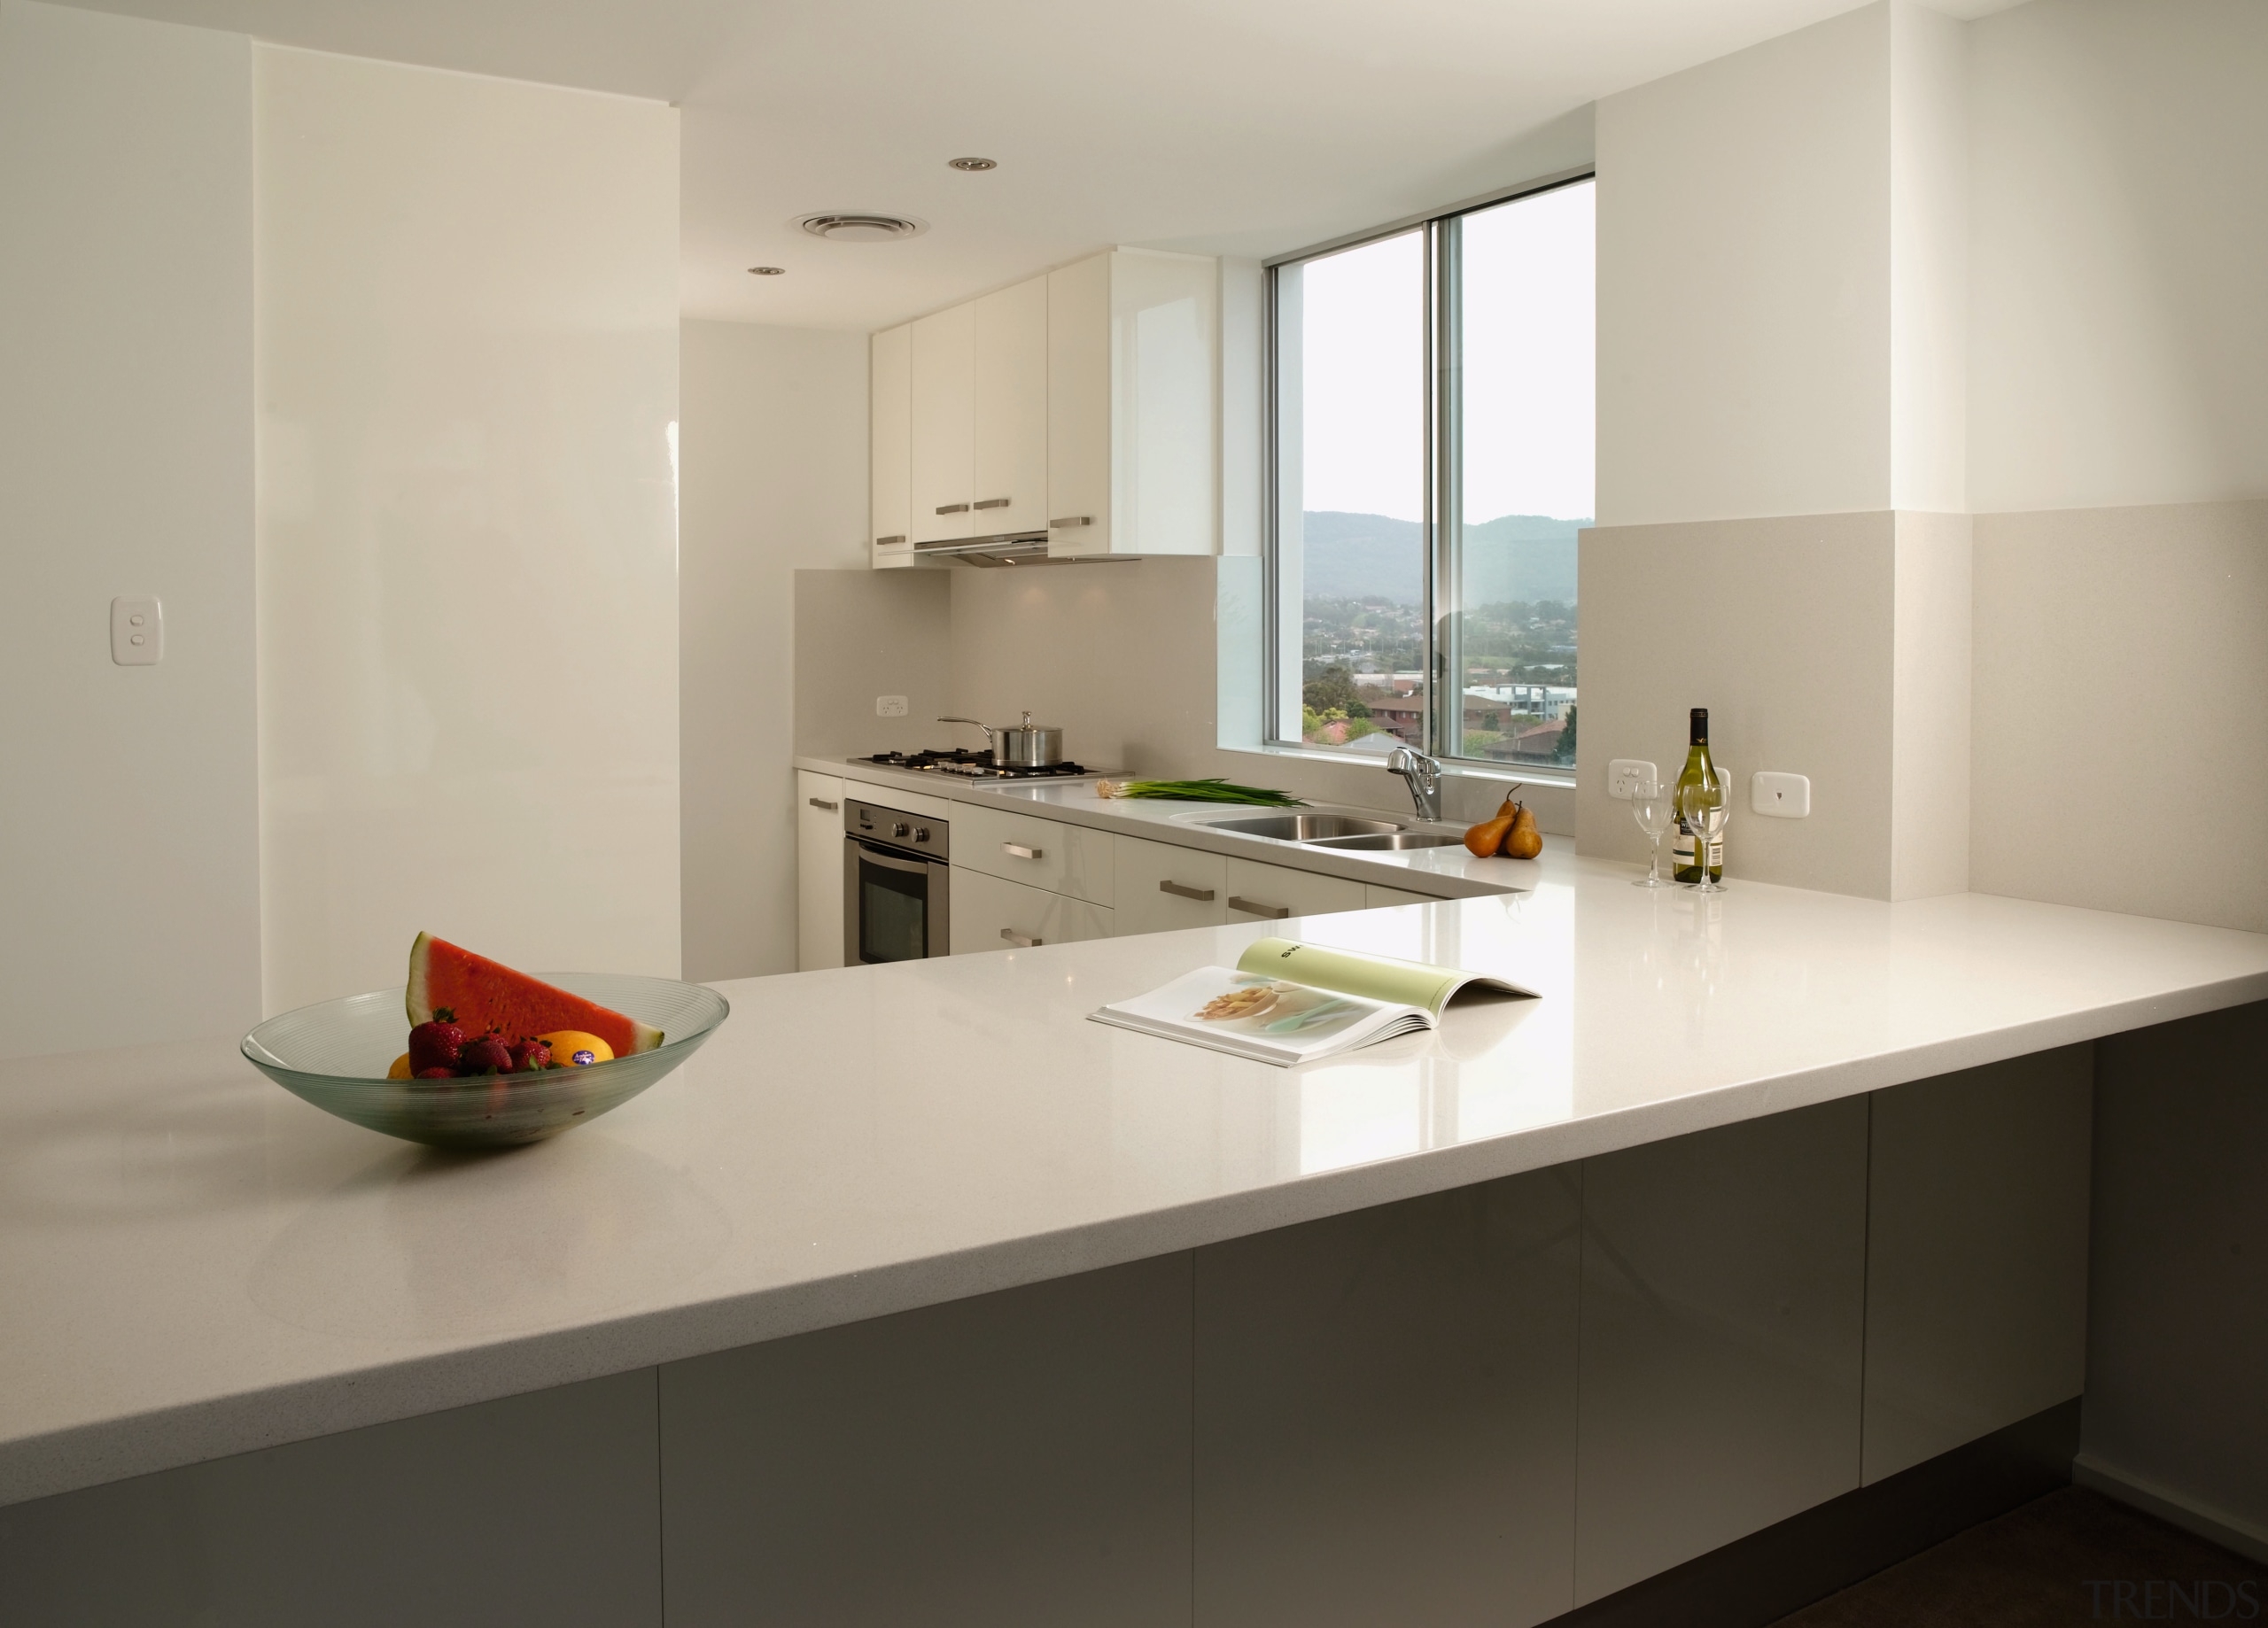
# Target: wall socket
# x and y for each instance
(1783, 796)
(137, 632)
(1626, 776)
(890, 706)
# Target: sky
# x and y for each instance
(1528, 363)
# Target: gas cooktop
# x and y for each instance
(972, 765)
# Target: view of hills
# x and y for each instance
(1526, 557)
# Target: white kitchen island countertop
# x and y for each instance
(195, 1263)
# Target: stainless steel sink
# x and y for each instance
(1305, 827)
(1388, 840)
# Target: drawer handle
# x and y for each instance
(1017, 851)
(1203, 895)
(829, 807)
(889, 542)
(1070, 521)
(1274, 913)
(1019, 940)
(952, 508)
(990, 503)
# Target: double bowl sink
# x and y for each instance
(1339, 831)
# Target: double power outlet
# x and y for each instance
(1778, 795)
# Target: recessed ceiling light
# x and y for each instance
(848, 227)
(767, 271)
(971, 164)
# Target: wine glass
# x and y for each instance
(1649, 807)
(1708, 821)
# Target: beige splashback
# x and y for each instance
(861, 634)
(2121, 741)
(1782, 628)
(1929, 705)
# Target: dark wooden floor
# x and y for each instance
(2070, 1557)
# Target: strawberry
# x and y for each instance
(530, 1055)
(436, 1073)
(435, 1045)
(487, 1055)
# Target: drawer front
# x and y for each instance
(1071, 860)
(1257, 892)
(1162, 888)
(989, 913)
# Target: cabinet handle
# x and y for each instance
(1070, 521)
(952, 508)
(1017, 851)
(828, 807)
(1203, 895)
(990, 503)
(1274, 913)
(1019, 940)
(889, 542)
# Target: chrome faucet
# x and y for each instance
(1423, 776)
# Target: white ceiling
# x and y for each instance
(1228, 126)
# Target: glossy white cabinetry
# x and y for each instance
(1385, 1414)
(819, 871)
(1162, 888)
(1977, 1252)
(942, 422)
(1258, 892)
(1374, 896)
(1133, 364)
(1019, 1460)
(1722, 1325)
(891, 403)
(989, 913)
(1053, 855)
(1010, 405)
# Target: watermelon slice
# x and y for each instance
(488, 995)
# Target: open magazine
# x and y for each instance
(1285, 1002)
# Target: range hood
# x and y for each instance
(1010, 548)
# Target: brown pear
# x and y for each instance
(1487, 837)
(1523, 840)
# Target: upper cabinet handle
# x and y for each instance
(990, 503)
(1019, 940)
(1017, 851)
(884, 542)
(829, 807)
(1067, 522)
(952, 508)
(1274, 913)
(1203, 895)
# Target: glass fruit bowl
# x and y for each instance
(335, 1054)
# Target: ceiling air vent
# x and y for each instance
(861, 228)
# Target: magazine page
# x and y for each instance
(1372, 978)
(1269, 1019)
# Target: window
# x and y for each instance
(1433, 418)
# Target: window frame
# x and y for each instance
(1442, 447)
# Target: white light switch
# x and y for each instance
(1783, 796)
(890, 706)
(1627, 776)
(137, 632)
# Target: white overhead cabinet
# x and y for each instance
(1133, 355)
(890, 495)
(1081, 404)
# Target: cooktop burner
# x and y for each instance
(971, 765)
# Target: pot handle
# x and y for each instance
(989, 744)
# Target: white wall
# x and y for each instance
(467, 377)
(1743, 282)
(130, 882)
(2120, 237)
(1928, 260)
(774, 481)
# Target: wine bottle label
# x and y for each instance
(1717, 855)
(1682, 849)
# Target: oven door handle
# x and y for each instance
(892, 859)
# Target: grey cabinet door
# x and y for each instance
(1385, 1414)
(1723, 1310)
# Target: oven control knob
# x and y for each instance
(920, 833)
(898, 830)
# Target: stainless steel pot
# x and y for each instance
(1019, 746)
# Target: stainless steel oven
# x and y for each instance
(896, 881)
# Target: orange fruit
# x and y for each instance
(401, 1068)
(577, 1048)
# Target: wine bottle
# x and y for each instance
(1699, 787)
